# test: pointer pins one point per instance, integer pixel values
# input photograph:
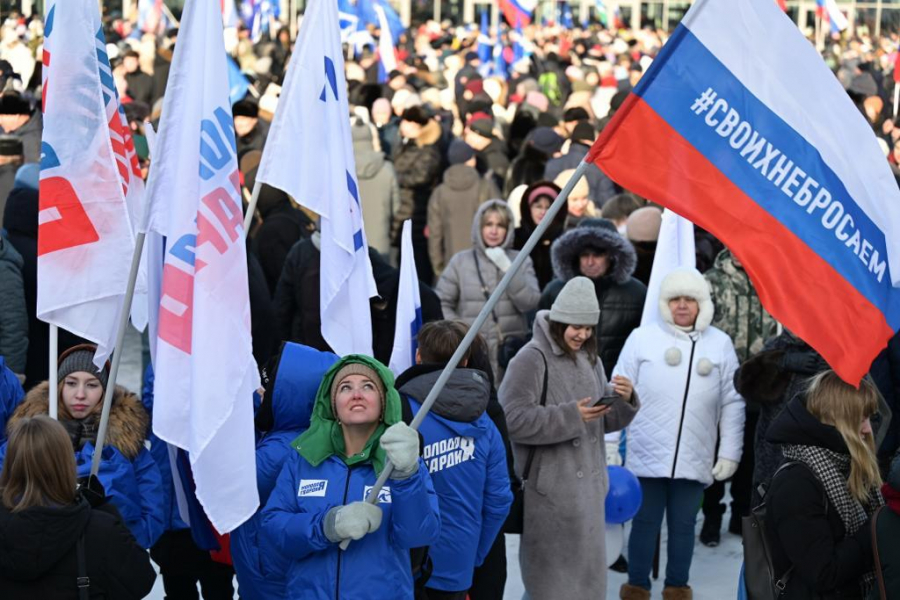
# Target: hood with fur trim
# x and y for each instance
(477, 240)
(128, 420)
(690, 283)
(567, 247)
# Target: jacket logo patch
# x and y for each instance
(384, 496)
(449, 453)
(312, 488)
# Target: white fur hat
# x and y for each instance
(686, 282)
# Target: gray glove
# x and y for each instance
(401, 444)
(352, 521)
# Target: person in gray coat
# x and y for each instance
(13, 314)
(472, 276)
(378, 190)
(562, 553)
(453, 205)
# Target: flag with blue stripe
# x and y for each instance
(776, 161)
(409, 307)
(309, 155)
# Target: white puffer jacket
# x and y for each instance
(683, 404)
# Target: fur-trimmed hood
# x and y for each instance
(431, 133)
(565, 250)
(128, 421)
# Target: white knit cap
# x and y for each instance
(690, 283)
(576, 303)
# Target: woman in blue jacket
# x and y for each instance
(318, 500)
(284, 414)
(127, 471)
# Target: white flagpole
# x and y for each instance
(251, 207)
(896, 96)
(479, 321)
(54, 371)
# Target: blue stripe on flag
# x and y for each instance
(689, 70)
(357, 240)
(414, 328)
(351, 186)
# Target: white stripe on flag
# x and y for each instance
(675, 249)
(409, 307)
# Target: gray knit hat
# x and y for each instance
(576, 304)
(81, 358)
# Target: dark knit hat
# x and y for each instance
(12, 103)
(546, 140)
(356, 369)
(459, 152)
(245, 108)
(80, 358)
(11, 145)
(576, 113)
(482, 126)
(415, 114)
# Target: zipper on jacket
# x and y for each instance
(687, 388)
(337, 586)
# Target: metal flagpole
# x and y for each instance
(251, 207)
(54, 371)
(479, 321)
(120, 338)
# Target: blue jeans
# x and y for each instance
(679, 499)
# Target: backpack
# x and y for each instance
(760, 578)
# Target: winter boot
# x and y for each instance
(620, 565)
(678, 593)
(710, 533)
(633, 592)
(735, 524)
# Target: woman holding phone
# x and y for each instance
(562, 551)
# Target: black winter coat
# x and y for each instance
(620, 295)
(807, 532)
(38, 562)
(282, 226)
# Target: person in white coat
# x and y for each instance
(683, 371)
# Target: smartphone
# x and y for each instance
(606, 400)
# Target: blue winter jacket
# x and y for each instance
(128, 473)
(466, 459)
(374, 568)
(261, 569)
(11, 394)
(159, 450)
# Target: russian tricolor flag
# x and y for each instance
(517, 11)
(771, 156)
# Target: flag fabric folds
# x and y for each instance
(517, 11)
(386, 53)
(309, 155)
(828, 10)
(675, 248)
(409, 307)
(773, 158)
(85, 238)
(205, 372)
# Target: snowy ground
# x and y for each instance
(714, 572)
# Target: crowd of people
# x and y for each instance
(563, 379)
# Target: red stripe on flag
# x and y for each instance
(643, 153)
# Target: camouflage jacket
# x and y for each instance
(738, 311)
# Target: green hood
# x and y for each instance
(325, 437)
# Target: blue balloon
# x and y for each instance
(624, 496)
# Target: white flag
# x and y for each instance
(309, 155)
(385, 43)
(85, 239)
(205, 372)
(674, 249)
(409, 307)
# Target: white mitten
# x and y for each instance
(352, 521)
(613, 457)
(724, 469)
(401, 444)
(498, 257)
